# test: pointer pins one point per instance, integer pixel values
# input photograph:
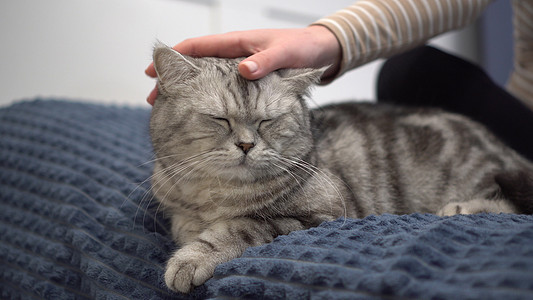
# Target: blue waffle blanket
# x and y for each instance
(76, 222)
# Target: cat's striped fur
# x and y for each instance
(240, 162)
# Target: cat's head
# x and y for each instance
(210, 121)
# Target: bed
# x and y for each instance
(77, 222)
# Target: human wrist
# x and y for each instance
(329, 49)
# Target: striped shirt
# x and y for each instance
(373, 29)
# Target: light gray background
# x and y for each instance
(97, 50)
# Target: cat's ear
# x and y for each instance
(173, 68)
(300, 80)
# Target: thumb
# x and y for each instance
(262, 63)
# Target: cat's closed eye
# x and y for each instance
(221, 121)
(264, 123)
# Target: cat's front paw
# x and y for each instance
(454, 208)
(476, 206)
(186, 270)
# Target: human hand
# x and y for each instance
(268, 50)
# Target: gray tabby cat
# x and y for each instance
(240, 162)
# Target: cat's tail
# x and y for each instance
(517, 187)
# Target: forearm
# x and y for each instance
(195, 262)
(381, 28)
(521, 82)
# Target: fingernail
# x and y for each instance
(251, 66)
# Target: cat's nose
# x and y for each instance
(245, 147)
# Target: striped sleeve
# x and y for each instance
(373, 29)
(521, 82)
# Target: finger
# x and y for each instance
(153, 95)
(150, 71)
(230, 45)
(262, 63)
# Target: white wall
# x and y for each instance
(96, 50)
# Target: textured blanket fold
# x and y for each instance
(77, 221)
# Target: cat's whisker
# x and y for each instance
(174, 169)
(150, 178)
(335, 187)
(332, 184)
(314, 174)
(147, 193)
(321, 176)
(181, 167)
(152, 157)
(296, 180)
(156, 158)
(185, 176)
(157, 173)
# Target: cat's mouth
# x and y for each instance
(244, 161)
(245, 168)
